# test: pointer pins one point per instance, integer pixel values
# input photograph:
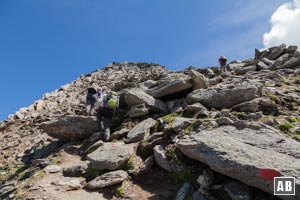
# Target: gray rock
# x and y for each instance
(196, 107)
(278, 64)
(119, 134)
(293, 63)
(138, 110)
(111, 155)
(262, 66)
(146, 166)
(7, 188)
(199, 80)
(276, 52)
(226, 97)
(183, 191)
(244, 70)
(170, 104)
(214, 81)
(94, 146)
(162, 160)
(255, 105)
(204, 181)
(71, 127)
(180, 123)
(68, 184)
(224, 121)
(171, 86)
(297, 72)
(52, 169)
(209, 72)
(234, 66)
(75, 171)
(137, 96)
(237, 191)
(244, 154)
(40, 162)
(291, 49)
(141, 130)
(107, 179)
(267, 61)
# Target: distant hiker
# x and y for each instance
(222, 61)
(91, 99)
(99, 93)
(105, 113)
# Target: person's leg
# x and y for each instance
(99, 119)
(106, 134)
(93, 102)
(88, 105)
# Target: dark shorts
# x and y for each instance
(91, 99)
(106, 113)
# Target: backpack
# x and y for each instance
(111, 101)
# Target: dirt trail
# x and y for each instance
(143, 187)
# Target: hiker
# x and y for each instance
(91, 99)
(106, 112)
(222, 61)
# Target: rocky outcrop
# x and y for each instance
(137, 96)
(71, 127)
(172, 84)
(231, 141)
(245, 154)
(110, 156)
(226, 97)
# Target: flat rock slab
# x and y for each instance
(251, 156)
(71, 127)
(226, 96)
(107, 179)
(52, 169)
(111, 155)
(171, 85)
(141, 130)
(137, 96)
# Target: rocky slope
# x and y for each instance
(191, 134)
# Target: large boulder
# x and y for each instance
(251, 156)
(293, 63)
(227, 96)
(71, 127)
(137, 96)
(141, 130)
(111, 155)
(199, 80)
(171, 85)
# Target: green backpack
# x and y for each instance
(112, 100)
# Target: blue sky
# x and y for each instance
(45, 44)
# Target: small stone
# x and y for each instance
(52, 169)
(107, 179)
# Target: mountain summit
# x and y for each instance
(198, 133)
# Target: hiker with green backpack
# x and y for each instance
(106, 110)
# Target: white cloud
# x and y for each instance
(285, 26)
(245, 11)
